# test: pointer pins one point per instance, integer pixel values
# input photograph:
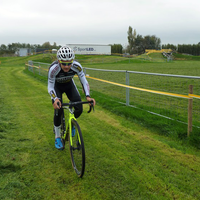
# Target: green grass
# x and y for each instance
(167, 106)
(175, 108)
(139, 115)
(186, 57)
(124, 159)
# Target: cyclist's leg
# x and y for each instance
(73, 95)
(57, 122)
(57, 113)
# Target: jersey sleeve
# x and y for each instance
(79, 70)
(53, 71)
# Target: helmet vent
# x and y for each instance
(65, 53)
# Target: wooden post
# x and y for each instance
(190, 111)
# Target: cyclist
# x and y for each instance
(60, 80)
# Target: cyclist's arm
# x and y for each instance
(86, 88)
(53, 71)
(79, 70)
(85, 84)
(56, 101)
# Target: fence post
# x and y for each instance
(190, 103)
(39, 69)
(33, 69)
(127, 89)
(84, 70)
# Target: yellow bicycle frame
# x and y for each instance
(69, 125)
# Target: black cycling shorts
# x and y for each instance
(73, 95)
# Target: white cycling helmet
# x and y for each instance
(65, 53)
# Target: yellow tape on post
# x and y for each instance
(194, 96)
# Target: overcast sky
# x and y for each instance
(98, 21)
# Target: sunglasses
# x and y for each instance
(66, 63)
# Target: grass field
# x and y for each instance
(124, 160)
(169, 107)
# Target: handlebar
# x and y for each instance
(72, 104)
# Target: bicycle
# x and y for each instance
(75, 139)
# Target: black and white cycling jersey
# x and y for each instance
(57, 77)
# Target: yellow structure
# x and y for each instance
(148, 51)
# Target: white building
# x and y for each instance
(54, 51)
(91, 49)
(23, 51)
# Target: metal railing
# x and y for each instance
(165, 95)
(181, 95)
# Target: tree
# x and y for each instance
(12, 48)
(189, 49)
(46, 45)
(116, 48)
(54, 46)
(169, 46)
(131, 39)
(138, 43)
(3, 47)
(152, 42)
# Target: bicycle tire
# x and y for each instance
(77, 150)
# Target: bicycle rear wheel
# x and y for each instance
(77, 150)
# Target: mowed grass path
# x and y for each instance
(123, 160)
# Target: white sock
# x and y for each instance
(57, 131)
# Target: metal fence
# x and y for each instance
(164, 95)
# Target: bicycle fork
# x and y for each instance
(67, 130)
(72, 118)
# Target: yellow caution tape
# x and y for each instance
(189, 96)
(145, 90)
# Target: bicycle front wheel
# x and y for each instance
(77, 149)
